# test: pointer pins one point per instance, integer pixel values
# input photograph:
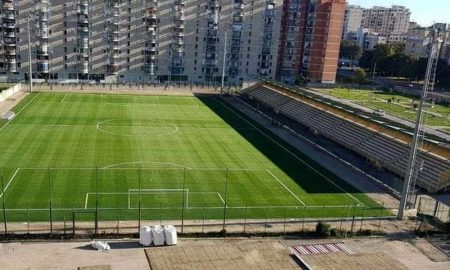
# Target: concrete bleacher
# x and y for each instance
(388, 152)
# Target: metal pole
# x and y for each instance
(245, 218)
(96, 200)
(139, 178)
(285, 219)
(184, 203)
(226, 193)
(224, 62)
(415, 140)
(50, 200)
(29, 55)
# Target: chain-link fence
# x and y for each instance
(120, 200)
(433, 211)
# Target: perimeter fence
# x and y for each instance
(120, 200)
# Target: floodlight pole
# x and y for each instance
(29, 54)
(224, 62)
(418, 127)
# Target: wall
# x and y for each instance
(5, 94)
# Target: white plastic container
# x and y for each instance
(145, 236)
(171, 235)
(158, 235)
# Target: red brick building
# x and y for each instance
(310, 40)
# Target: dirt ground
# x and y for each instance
(127, 254)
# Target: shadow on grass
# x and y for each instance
(309, 175)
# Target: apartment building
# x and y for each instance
(352, 20)
(391, 22)
(165, 40)
(418, 42)
(310, 40)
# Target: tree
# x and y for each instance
(350, 50)
(359, 75)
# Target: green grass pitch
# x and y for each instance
(159, 157)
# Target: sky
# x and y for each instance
(424, 12)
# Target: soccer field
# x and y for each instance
(157, 157)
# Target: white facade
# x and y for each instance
(391, 22)
(352, 19)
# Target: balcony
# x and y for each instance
(9, 25)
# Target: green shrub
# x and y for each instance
(323, 229)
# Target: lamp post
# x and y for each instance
(224, 63)
(29, 54)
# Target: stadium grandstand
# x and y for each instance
(384, 146)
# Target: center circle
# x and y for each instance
(137, 127)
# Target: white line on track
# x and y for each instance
(9, 182)
(290, 191)
(288, 151)
(62, 101)
(17, 114)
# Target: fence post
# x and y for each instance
(285, 219)
(50, 200)
(381, 216)
(96, 201)
(305, 208)
(73, 221)
(28, 218)
(245, 218)
(4, 218)
(183, 205)
(323, 211)
(353, 219)
(160, 213)
(3, 204)
(362, 218)
(204, 216)
(226, 194)
(139, 206)
(265, 223)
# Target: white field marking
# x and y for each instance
(86, 201)
(220, 197)
(151, 162)
(130, 135)
(17, 114)
(290, 191)
(162, 191)
(292, 154)
(62, 101)
(9, 182)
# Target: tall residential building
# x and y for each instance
(391, 22)
(418, 42)
(352, 20)
(169, 40)
(310, 40)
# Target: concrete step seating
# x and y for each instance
(390, 153)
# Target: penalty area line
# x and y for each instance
(290, 191)
(62, 101)
(9, 182)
